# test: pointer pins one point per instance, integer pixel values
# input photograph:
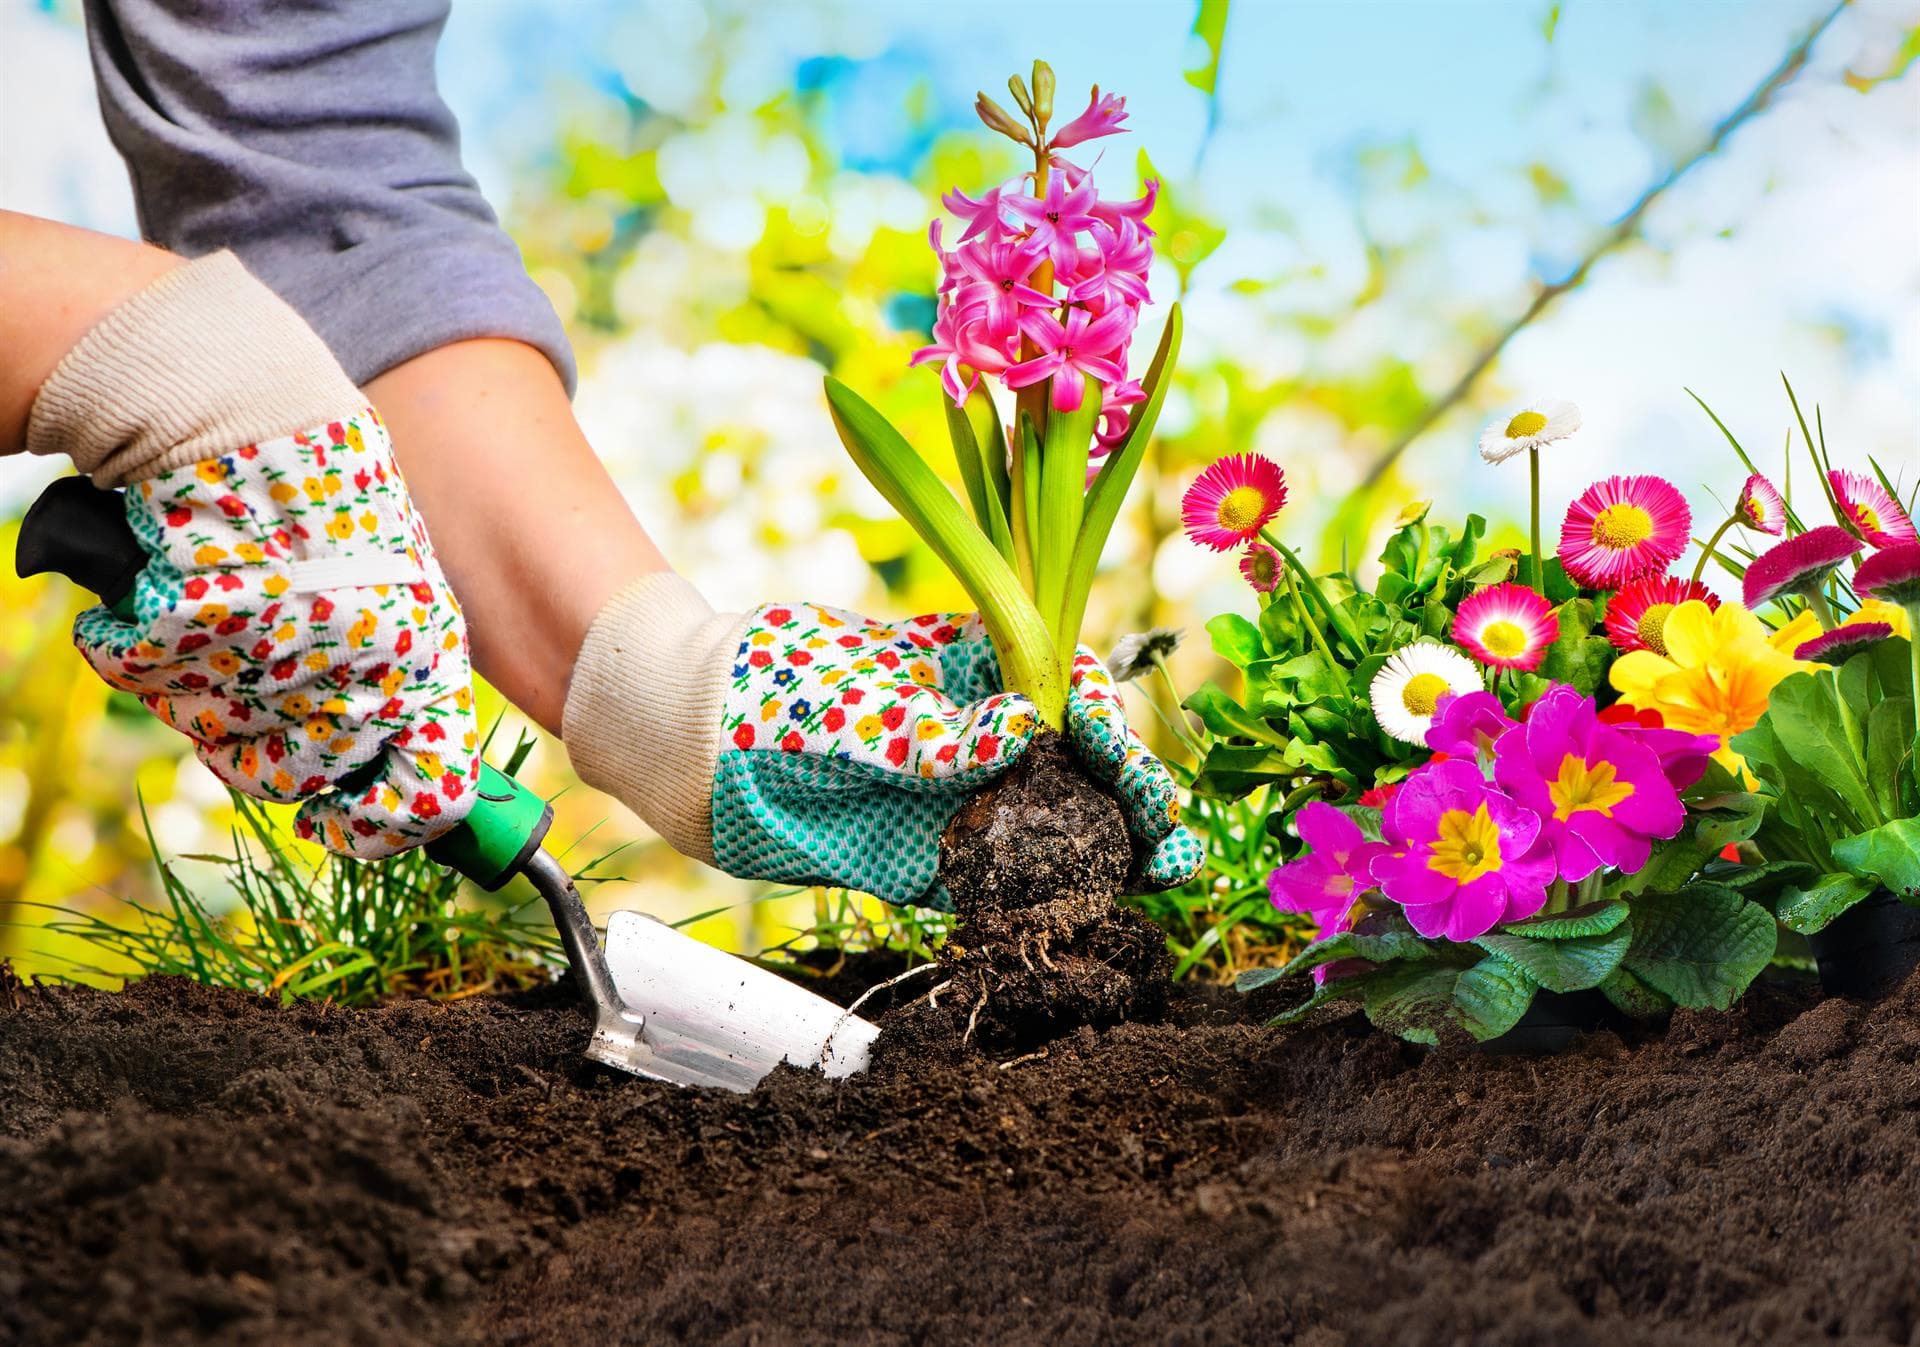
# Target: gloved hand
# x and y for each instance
(810, 745)
(291, 619)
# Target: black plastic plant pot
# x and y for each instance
(1869, 949)
(1553, 1021)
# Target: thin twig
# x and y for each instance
(1624, 229)
(1030, 1057)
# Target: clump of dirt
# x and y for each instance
(1033, 864)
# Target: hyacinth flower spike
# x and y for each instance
(1041, 292)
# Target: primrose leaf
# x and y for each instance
(1807, 908)
(1634, 997)
(1890, 853)
(1826, 736)
(1592, 919)
(1889, 745)
(1236, 640)
(1702, 946)
(1417, 1001)
(1227, 718)
(1721, 820)
(1577, 656)
(1761, 883)
(1386, 947)
(1565, 964)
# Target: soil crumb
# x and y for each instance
(179, 1165)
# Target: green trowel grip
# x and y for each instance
(500, 833)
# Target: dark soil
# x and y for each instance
(184, 1165)
(1033, 864)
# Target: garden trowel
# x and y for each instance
(664, 1005)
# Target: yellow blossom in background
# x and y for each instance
(1879, 610)
(1720, 668)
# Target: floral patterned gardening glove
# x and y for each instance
(291, 619)
(808, 745)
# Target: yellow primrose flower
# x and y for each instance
(1789, 638)
(1879, 610)
(1718, 672)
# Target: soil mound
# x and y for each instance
(183, 1165)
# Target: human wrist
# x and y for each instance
(643, 708)
(202, 361)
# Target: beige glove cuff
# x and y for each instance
(642, 720)
(203, 361)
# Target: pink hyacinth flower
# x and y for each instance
(1325, 882)
(1056, 217)
(1114, 417)
(994, 278)
(966, 349)
(1602, 798)
(1083, 347)
(1468, 726)
(1103, 116)
(985, 216)
(1465, 857)
(1114, 271)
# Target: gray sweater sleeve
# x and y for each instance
(310, 138)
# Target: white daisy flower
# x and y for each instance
(1406, 691)
(1137, 654)
(1528, 427)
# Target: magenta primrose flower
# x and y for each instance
(1467, 727)
(1335, 870)
(1602, 798)
(1684, 758)
(1103, 116)
(1465, 856)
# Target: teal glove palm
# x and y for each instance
(848, 745)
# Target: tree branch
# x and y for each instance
(1623, 230)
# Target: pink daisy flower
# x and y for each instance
(1637, 615)
(1232, 500)
(1843, 643)
(1799, 565)
(1506, 626)
(1261, 568)
(1622, 528)
(1761, 507)
(1892, 575)
(1869, 511)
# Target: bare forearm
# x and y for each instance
(56, 282)
(532, 532)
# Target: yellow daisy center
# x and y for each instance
(1241, 508)
(1652, 627)
(1756, 512)
(1622, 525)
(1504, 639)
(1583, 786)
(1866, 517)
(1421, 696)
(1525, 424)
(1468, 845)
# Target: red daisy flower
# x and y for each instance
(1232, 500)
(1637, 615)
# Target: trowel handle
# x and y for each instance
(77, 530)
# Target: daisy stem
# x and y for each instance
(1312, 587)
(1177, 722)
(1913, 655)
(1300, 610)
(1817, 600)
(1700, 566)
(1539, 563)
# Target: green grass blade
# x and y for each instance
(1109, 489)
(923, 500)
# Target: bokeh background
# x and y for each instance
(1387, 221)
